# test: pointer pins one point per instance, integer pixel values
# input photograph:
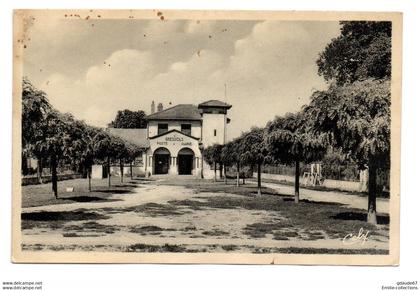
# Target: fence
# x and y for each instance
(342, 177)
(29, 180)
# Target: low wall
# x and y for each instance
(328, 183)
(29, 180)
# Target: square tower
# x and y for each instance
(214, 118)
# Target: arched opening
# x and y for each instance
(161, 158)
(185, 161)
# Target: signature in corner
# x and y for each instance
(360, 237)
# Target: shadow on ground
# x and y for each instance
(113, 191)
(45, 216)
(355, 216)
(310, 201)
(88, 199)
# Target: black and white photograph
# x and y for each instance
(165, 136)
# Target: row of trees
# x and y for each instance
(352, 115)
(53, 138)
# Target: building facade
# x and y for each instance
(175, 138)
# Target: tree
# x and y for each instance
(83, 148)
(103, 150)
(226, 157)
(212, 155)
(362, 51)
(253, 151)
(133, 152)
(358, 118)
(35, 107)
(355, 110)
(129, 119)
(231, 155)
(290, 141)
(55, 143)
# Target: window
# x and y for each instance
(186, 129)
(215, 132)
(162, 128)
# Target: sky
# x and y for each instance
(93, 68)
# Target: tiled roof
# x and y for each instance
(215, 103)
(135, 136)
(178, 112)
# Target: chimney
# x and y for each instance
(152, 110)
(159, 107)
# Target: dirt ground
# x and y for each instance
(158, 216)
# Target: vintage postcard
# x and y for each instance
(162, 136)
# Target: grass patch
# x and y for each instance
(92, 227)
(215, 232)
(296, 250)
(280, 236)
(146, 230)
(150, 209)
(333, 219)
(260, 230)
(189, 229)
(156, 248)
(41, 194)
(56, 219)
(229, 248)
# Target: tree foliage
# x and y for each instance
(59, 138)
(129, 119)
(290, 141)
(253, 150)
(355, 110)
(362, 51)
(213, 155)
(358, 118)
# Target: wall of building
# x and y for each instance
(175, 125)
(174, 142)
(213, 122)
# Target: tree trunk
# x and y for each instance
(39, 170)
(54, 175)
(297, 175)
(109, 171)
(131, 170)
(259, 178)
(221, 170)
(237, 174)
(224, 172)
(215, 171)
(121, 171)
(89, 176)
(371, 216)
(24, 164)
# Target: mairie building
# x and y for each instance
(175, 138)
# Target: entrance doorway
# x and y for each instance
(161, 161)
(185, 161)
